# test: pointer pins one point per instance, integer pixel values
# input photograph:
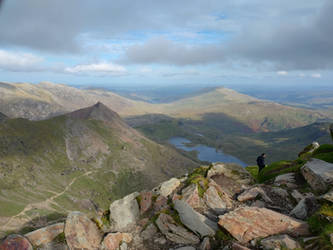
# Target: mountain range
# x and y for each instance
(43, 100)
(79, 160)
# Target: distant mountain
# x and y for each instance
(40, 101)
(259, 115)
(77, 161)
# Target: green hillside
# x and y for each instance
(78, 161)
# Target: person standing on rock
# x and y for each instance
(261, 162)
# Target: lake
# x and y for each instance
(205, 153)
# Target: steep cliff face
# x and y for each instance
(77, 161)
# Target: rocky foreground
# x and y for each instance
(215, 207)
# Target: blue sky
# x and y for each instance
(83, 42)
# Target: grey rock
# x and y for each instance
(149, 232)
(252, 193)
(124, 212)
(319, 174)
(304, 208)
(297, 195)
(169, 186)
(205, 244)
(279, 241)
(233, 171)
(328, 196)
(195, 221)
(214, 201)
(123, 246)
(174, 232)
(285, 178)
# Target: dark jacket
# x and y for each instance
(261, 161)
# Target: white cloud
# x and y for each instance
(282, 73)
(16, 62)
(316, 75)
(97, 68)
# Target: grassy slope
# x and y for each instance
(76, 164)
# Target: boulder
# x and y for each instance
(169, 186)
(149, 232)
(161, 203)
(145, 201)
(285, 179)
(236, 246)
(247, 223)
(195, 221)
(278, 242)
(253, 193)
(81, 232)
(45, 235)
(174, 232)
(231, 178)
(214, 201)
(328, 196)
(205, 244)
(305, 208)
(227, 200)
(319, 174)
(191, 196)
(112, 240)
(124, 212)
(233, 171)
(297, 195)
(15, 242)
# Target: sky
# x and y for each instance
(158, 42)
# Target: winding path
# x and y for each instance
(44, 204)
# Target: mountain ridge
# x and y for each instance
(39, 101)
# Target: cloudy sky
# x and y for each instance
(167, 42)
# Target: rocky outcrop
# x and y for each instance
(319, 174)
(112, 240)
(124, 212)
(174, 232)
(191, 196)
(45, 235)
(81, 232)
(247, 223)
(195, 221)
(278, 242)
(233, 171)
(252, 194)
(16, 242)
(304, 208)
(214, 201)
(168, 187)
(145, 201)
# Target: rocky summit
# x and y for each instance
(221, 206)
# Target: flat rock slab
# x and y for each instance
(15, 242)
(174, 232)
(214, 201)
(169, 186)
(124, 212)
(45, 235)
(233, 171)
(319, 174)
(247, 223)
(81, 232)
(195, 221)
